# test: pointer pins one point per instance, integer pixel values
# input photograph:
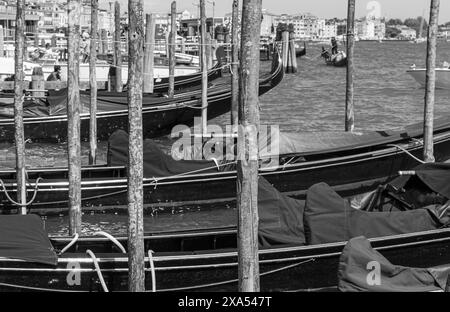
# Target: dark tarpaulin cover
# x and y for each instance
(330, 218)
(435, 175)
(24, 238)
(156, 163)
(280, 217)
(354, 274)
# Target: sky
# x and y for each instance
(322, 8)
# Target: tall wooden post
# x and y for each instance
(349, 96)
(18, 106)
(285, 49)
(118, 49)
(136, 263)
(38, 82)
(172, 46)
(292, 54)
(248, 152)
(149, 57)
(105, 41)
(36, 36)
(73, 116)
(93, 83)
(208, 49)
(2, 42)
(204, 67)
(428, 152)
(235, 65)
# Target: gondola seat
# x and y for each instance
(329, 218)
(361, 268)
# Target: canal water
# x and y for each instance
(313, 99)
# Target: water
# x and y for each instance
(386, 97)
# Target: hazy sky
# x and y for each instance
(322, 8)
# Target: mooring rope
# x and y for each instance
(36, 188)
(407, 153)
(236, 280)
(98, 270)
(72, 242)
(113, 239)
(152, 268)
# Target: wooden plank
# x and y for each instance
(428, 152)
(136, 253)
(349, 95)
(19, 135)
(247, 167)
(73, 120)
(93, 84)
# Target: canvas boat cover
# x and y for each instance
(280, 217)
(436, 176)
(157, 164)
(357, 273)
(56, 104)
(24, 238)
(327, 142)
(329, 218)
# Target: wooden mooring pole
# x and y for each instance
(118, 49)
(248, 152)
(18, 106)
(172, 46)
(2, 42)
(105, 44)
(149, 54)
(73, 117)
(428, 153)
(235, 66)
(204, 68)
(349, 95)
(93, 83)
(136, 263)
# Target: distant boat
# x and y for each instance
(299, 52)
(337, 60)
(442, 77)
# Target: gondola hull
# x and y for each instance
(104, 189)
(306, 268)
(160, 115)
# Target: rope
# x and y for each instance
(236, 280)
(97, 269)
(113, 239)
(36, 188)
(152, 268)
(72, 242)
(407, 153)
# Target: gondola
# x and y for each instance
(336, 60)
(301, 51)
(350, 163)
(207, 260)
(47, 120)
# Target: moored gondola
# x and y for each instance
(350, 163)
(47, 120)
(290, 259)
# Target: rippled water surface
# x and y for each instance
(386, 97)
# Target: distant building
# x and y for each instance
(268, 23)
(406, 32)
